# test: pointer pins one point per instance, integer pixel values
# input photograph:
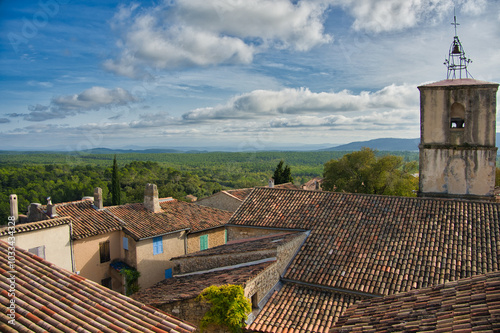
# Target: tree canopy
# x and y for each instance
(282, 175)
(363, 172)
(229, 307)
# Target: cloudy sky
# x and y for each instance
(249, 75)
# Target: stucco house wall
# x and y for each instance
(152, 266)
(87, 257)
(56, 240)
(220, 200)
(216, 237)
(237, 232)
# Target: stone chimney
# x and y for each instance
(34, 213)
(271, 182)
(51, 209)
(98, 203)
(14, 211)
(151, 202)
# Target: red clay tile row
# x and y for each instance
(471, 305)
(300, 309)
(50, 299)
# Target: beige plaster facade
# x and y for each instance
(457, 138)
(243, 232)
(55, 242)
(216, 237)
(87, 256)
(152, 266)
(221, 200)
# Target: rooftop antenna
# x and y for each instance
(457, 61)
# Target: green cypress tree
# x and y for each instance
(115, 185)
(282, 175)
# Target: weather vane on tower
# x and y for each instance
(457, 61)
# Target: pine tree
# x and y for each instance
(282, 175)
(115, 185)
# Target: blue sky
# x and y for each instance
(244, 74)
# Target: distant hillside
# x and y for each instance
(389, 144)
(128, 151)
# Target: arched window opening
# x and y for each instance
(457, 116)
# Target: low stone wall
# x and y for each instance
(286, 252)
(203, 263)
(237, 233)
(191, 311)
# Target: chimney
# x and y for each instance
(151, 202)
(271, 182)
(14, 211)
(34, 213)
(98, 204)
(51, 209)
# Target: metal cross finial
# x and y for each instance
(455, 22)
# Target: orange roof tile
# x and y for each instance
(190, 286)
(296, 308)
(51, 299)
(87, 220)
(379, 245)
(32, 226)
(175, 215)
(473, 302)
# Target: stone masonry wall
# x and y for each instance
(216, 237)
(203, 263)
(287, 251)
(237, 233)
(191, 311)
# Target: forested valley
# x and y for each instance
(70, 176)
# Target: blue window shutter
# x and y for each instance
(157, 245)
(203, 242)
(125, 243)
(168, 273)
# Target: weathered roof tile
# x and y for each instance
(51, 299)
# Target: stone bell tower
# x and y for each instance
(458, 133)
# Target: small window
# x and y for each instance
(38, 251)
(104, 251)
(457, 116)
(125, 243)
(203, 242)
(106, 282)
(225, 236)
(157, 245)
(168, 273)
(255, 301)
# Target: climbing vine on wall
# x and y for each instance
(131, 280)
(229, 307)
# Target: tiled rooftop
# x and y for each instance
(32, 226)
(245, 245)
(51, 299)
(379, 245)
(467, 305)
(87, 221)
(240, 194)
(175, 215)
(190, 286)
(296, 308)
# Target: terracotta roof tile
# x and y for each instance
(51, 299)
(379, 245)
(472, 304)
(240, 194)
(190, 286)
(297, 308)
(175, 215)
(87, 220)
(32, 226)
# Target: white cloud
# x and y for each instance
(395, 119)
(94, 98)
(203, 33)
(262, 103)
(388, 15)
